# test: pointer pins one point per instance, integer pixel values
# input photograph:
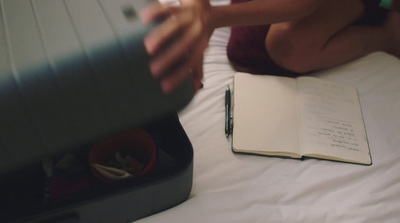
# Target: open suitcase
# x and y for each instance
(72, 73)
(168, 185)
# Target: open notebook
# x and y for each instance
(298, 117)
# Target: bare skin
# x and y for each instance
(178, 44)
(323, 39)
(324, 33)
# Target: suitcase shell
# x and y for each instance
(73, 71)
(124, 201)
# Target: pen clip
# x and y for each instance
(228, 116)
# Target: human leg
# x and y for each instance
(327, 37)
(392, 24)
(246, 51)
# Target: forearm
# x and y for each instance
(259, 12)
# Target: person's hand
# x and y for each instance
(177, 44)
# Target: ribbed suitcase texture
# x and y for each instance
(72, 71)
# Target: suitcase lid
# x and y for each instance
(72, 72)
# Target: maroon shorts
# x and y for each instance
(246, 47)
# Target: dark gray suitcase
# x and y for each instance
(125, 201)
(73, 72)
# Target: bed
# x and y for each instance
(230, 187)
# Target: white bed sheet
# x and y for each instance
(230, 187)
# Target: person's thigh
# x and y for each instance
(307, 36)
(329, 18)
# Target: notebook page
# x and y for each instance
(265, 113)
(332, 122)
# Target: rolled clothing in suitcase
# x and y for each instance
(123, 201)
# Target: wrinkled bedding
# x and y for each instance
(230, 187)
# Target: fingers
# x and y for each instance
(171, 82)
(176, 45)
(160, 35)
(153, 12)
(192, 68)
(180, 46)
(166, 47)
(173, 22)
(169, 41)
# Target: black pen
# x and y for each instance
(227, 111)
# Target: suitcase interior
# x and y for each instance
(23, 192)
